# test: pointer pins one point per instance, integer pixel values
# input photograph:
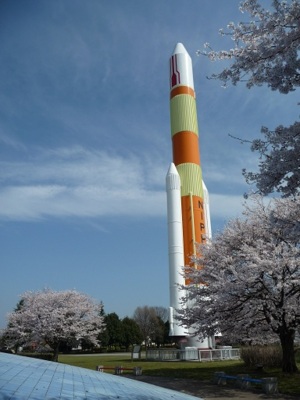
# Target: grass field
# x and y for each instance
(183, 369)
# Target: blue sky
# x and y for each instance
(85, 142)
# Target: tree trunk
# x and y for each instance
(288, 352)
(55, 352)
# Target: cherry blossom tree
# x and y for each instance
(247, 285)
(50, 317)
(266, 51)
(279, 166)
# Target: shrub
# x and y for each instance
(267, 356)
(40, 356)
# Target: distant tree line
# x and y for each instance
(148, 326)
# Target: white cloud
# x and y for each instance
(80, 183)
(226, 206)
(11, 142)
(37, 202)
(233, 174)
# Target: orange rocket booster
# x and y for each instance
(186, 155)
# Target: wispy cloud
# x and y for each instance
(215, 174)
(226, 206)
(80, 183)
(11, 142)
(36, 202)
(84, 183)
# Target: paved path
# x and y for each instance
(208, 390)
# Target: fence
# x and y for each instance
(163, 355)
(192, 353)
(219, 354)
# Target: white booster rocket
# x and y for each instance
(175, 242)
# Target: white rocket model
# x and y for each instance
(176, 258)
(187, 196)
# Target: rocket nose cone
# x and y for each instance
(179, 48)
(172, 169)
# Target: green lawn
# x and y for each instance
(183, 369)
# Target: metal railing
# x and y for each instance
(173, 354)
(219, 354)
(193, 354)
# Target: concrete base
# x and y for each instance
(270, 385)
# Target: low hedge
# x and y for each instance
(40, 356)
(267, 356)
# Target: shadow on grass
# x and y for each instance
(195, 370)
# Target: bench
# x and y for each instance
(244, 381)
(119, 369)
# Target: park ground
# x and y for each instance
(191, 377)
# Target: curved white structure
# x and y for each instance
(24, 378)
